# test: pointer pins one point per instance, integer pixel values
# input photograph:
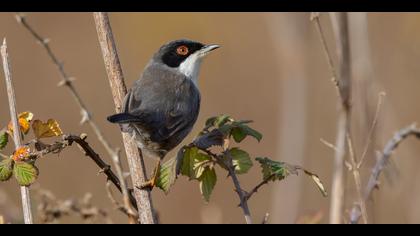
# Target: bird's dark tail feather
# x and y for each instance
(122, 118)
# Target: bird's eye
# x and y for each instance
(182, 50)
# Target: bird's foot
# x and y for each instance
(150, 184)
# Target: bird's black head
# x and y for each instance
(175, 52)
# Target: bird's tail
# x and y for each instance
(122, 118)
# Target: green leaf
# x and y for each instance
(187, 167)
(200, 162)
(241, 160)
(207, 182)
(251, 132)
(6, 169)
(221, 120)
(273, 170)
(4, 139)
(238, 134)
(25, 173)
(167, 175)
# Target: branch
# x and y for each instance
(67, 81)
(342, 81)
(256, 188)
(241, 193)
(119, 90)
(24, 191)
(383, 159)
(68, 140)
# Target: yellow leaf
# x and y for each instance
(21, 153)
(46, 130)
(25, 119)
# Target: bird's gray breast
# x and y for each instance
(167, 104)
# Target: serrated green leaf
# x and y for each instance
(210, 121)
(6, 169)
(207, 182)
(25, 173)
(187, 167)
(238, 134)
(167, 175)
(200, 162)
(4, 139)
(221, 120)
(241, 160)
(226, 129)
(272, 170)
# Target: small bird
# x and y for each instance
(162, 107)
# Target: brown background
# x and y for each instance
(271, 69)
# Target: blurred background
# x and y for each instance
(271, 69)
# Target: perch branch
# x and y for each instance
(26, 199)
(383, 159)
(119, 90)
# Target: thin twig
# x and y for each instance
(132, 216)
(26, 199)
(119, 90)
(265, 219)
(382, 161)
(117, 205)
(67, 81)
(372, 129)
(357, 180)
(258, 186)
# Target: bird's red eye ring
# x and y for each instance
(182, 50)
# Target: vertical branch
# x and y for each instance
(26, 200)
(119, 90)
(341, 33)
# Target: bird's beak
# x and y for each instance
(208, 48)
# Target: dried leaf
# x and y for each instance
(46, 130)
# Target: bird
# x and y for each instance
(162, 106)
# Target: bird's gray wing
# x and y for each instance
(165, 107)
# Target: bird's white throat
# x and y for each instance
(191, 67)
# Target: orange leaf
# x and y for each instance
(25, 119)
(46, 130)
(21, 153)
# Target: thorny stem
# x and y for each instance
(383, 159)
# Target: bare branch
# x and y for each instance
(119, 90)
(67, 81)
(390, 147)
(24, 191)
(357, 180)
(372, 129)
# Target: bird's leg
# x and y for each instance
(151, 183)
